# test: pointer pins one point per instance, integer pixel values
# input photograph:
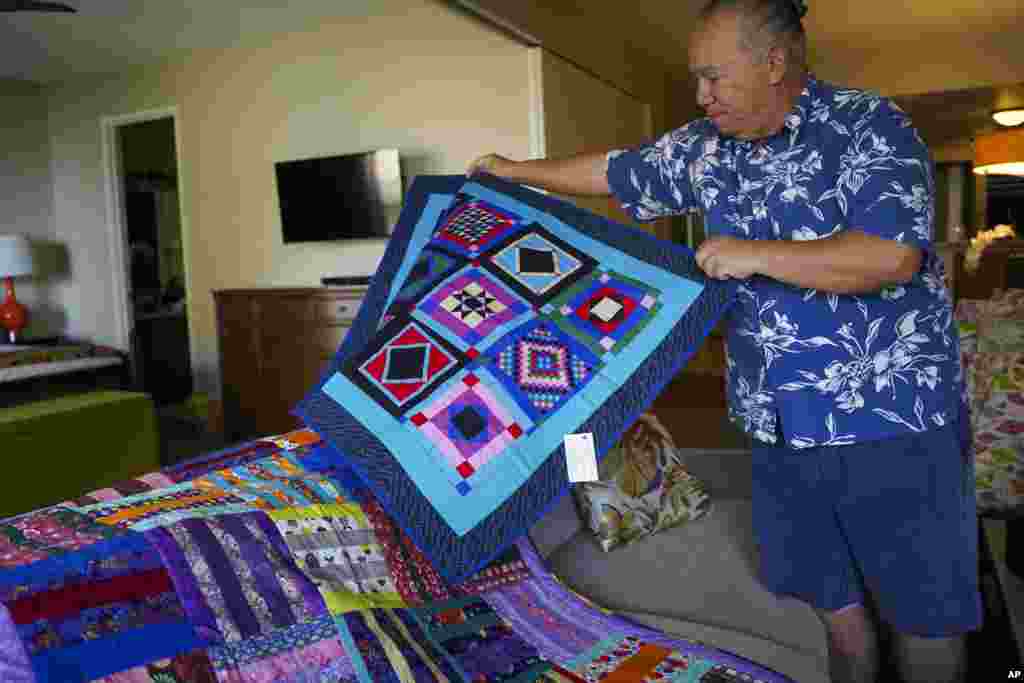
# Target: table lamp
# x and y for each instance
(15, 261)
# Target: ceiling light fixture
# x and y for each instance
(1009, 117)
(1000, 152)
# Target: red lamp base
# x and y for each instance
(13, 316)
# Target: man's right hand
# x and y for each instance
(488, 163)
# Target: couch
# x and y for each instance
(61, 446)
(697, 581)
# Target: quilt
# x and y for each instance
(97, 610)
(461, 640)
(309, 585)
(499, 321)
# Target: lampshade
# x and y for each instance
(15, 256)
(1009, 117)
(1000, 152)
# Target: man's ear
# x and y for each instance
(778, 60)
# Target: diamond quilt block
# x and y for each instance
(430, 267)
(472, 309)
(470, 421)
(542, 367)
(472, 225)
(404, 363)
(537, 264)
(605, 311)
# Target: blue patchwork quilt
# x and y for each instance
(500, 320)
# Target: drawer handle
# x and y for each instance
(343, 309)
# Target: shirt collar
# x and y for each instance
(795, 117)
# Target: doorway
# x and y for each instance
(143, 150)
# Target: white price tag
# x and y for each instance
(580, 457)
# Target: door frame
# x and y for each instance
(117, 233)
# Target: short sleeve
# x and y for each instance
(885, 183)
(653, 180)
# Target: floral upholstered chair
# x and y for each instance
(992, 348)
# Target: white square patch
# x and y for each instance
(606, 309)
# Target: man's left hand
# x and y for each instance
(724, 258)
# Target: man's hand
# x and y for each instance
(724, 258)
(848, 262)
(488, 163)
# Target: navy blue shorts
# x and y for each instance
(895, 518)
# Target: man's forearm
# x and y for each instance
(583, 175)
(850, 262)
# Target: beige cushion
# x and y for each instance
(702, 572)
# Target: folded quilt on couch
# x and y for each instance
(498, 321)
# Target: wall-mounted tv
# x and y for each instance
(350, 196)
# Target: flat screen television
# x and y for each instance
(351, 196)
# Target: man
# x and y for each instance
(843, 362)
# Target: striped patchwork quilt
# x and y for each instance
(265, 563)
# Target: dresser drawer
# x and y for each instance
(286, 311)
(335, 310)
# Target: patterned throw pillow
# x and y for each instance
(644, 488)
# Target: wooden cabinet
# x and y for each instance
(693, 405)
(710, 357)
(274, 345)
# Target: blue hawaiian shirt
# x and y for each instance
(806, 368)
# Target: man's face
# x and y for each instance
(733, 83)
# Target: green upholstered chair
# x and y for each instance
(60, 448)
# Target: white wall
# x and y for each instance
(438, 85)
(26, 199)
(584, 114)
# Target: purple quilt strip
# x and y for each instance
(581, 626)
(14, 663)
(263, 559)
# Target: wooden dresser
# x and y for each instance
(274, 345)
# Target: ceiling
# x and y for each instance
(963, 49)
(107, 36)
(956, 115)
